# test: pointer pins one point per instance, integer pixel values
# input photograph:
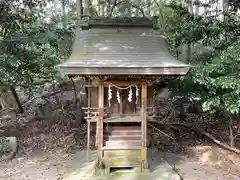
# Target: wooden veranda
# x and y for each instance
(120, 58)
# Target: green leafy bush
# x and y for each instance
(4, 146)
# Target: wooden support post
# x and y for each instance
(100, 118)
(88, 119)
(88, 138)
(144, 123)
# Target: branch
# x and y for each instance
(218, 142)
(235, 150)
(157, 3)
(113, 6)
(45, 96)
(7, 109)
(120, 2)
(1, 93)
(198, 129)
(161, 132)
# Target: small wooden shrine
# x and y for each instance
(120, 58)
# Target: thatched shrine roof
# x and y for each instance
(121, 50)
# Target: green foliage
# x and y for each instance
(29, 50)
(215, 79)
(220, 79)
(4, 146)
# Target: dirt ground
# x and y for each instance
(206, 164)
(47, 166)
(49, 149)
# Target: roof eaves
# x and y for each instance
(65, 70)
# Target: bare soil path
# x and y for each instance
(44, 166)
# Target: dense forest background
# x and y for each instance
(37, 35)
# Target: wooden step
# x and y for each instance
(124, 161)
(122, 137)
(105, 148)
(125, 119)
(123, 158)
(123, 143)
(125, 128)
(123, 132)
(117, 153)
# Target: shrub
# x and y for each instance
(4, 146)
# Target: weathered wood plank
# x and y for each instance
(144, 122)
(100, 117)
(121, 22)
(122, 83)
(88, 138)
(88, 117)
(121, 147)
(144, 112)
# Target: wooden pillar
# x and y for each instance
(101, 114)
(88, 138)
(144, 123)
(88, 119)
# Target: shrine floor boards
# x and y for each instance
(159, 170)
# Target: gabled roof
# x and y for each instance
(121, 51)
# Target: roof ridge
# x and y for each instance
(93, 22)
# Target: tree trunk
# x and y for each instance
(189, 53)
(231, 135)
(112, 8)
(64, 18)
(197, 10)
(79, 4)
(86, 7)
(55, 10)
(75, 92)
(101, 10)
(2, 104)
(149, 7)
(224, 9)
(15, 95)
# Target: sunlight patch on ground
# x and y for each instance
(160, 170)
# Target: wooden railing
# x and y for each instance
(157, 113)
(92, 113)
(153, 113)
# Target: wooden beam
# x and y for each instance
(121, 21)
(122, 83)
(144, 123)
(101, 114)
